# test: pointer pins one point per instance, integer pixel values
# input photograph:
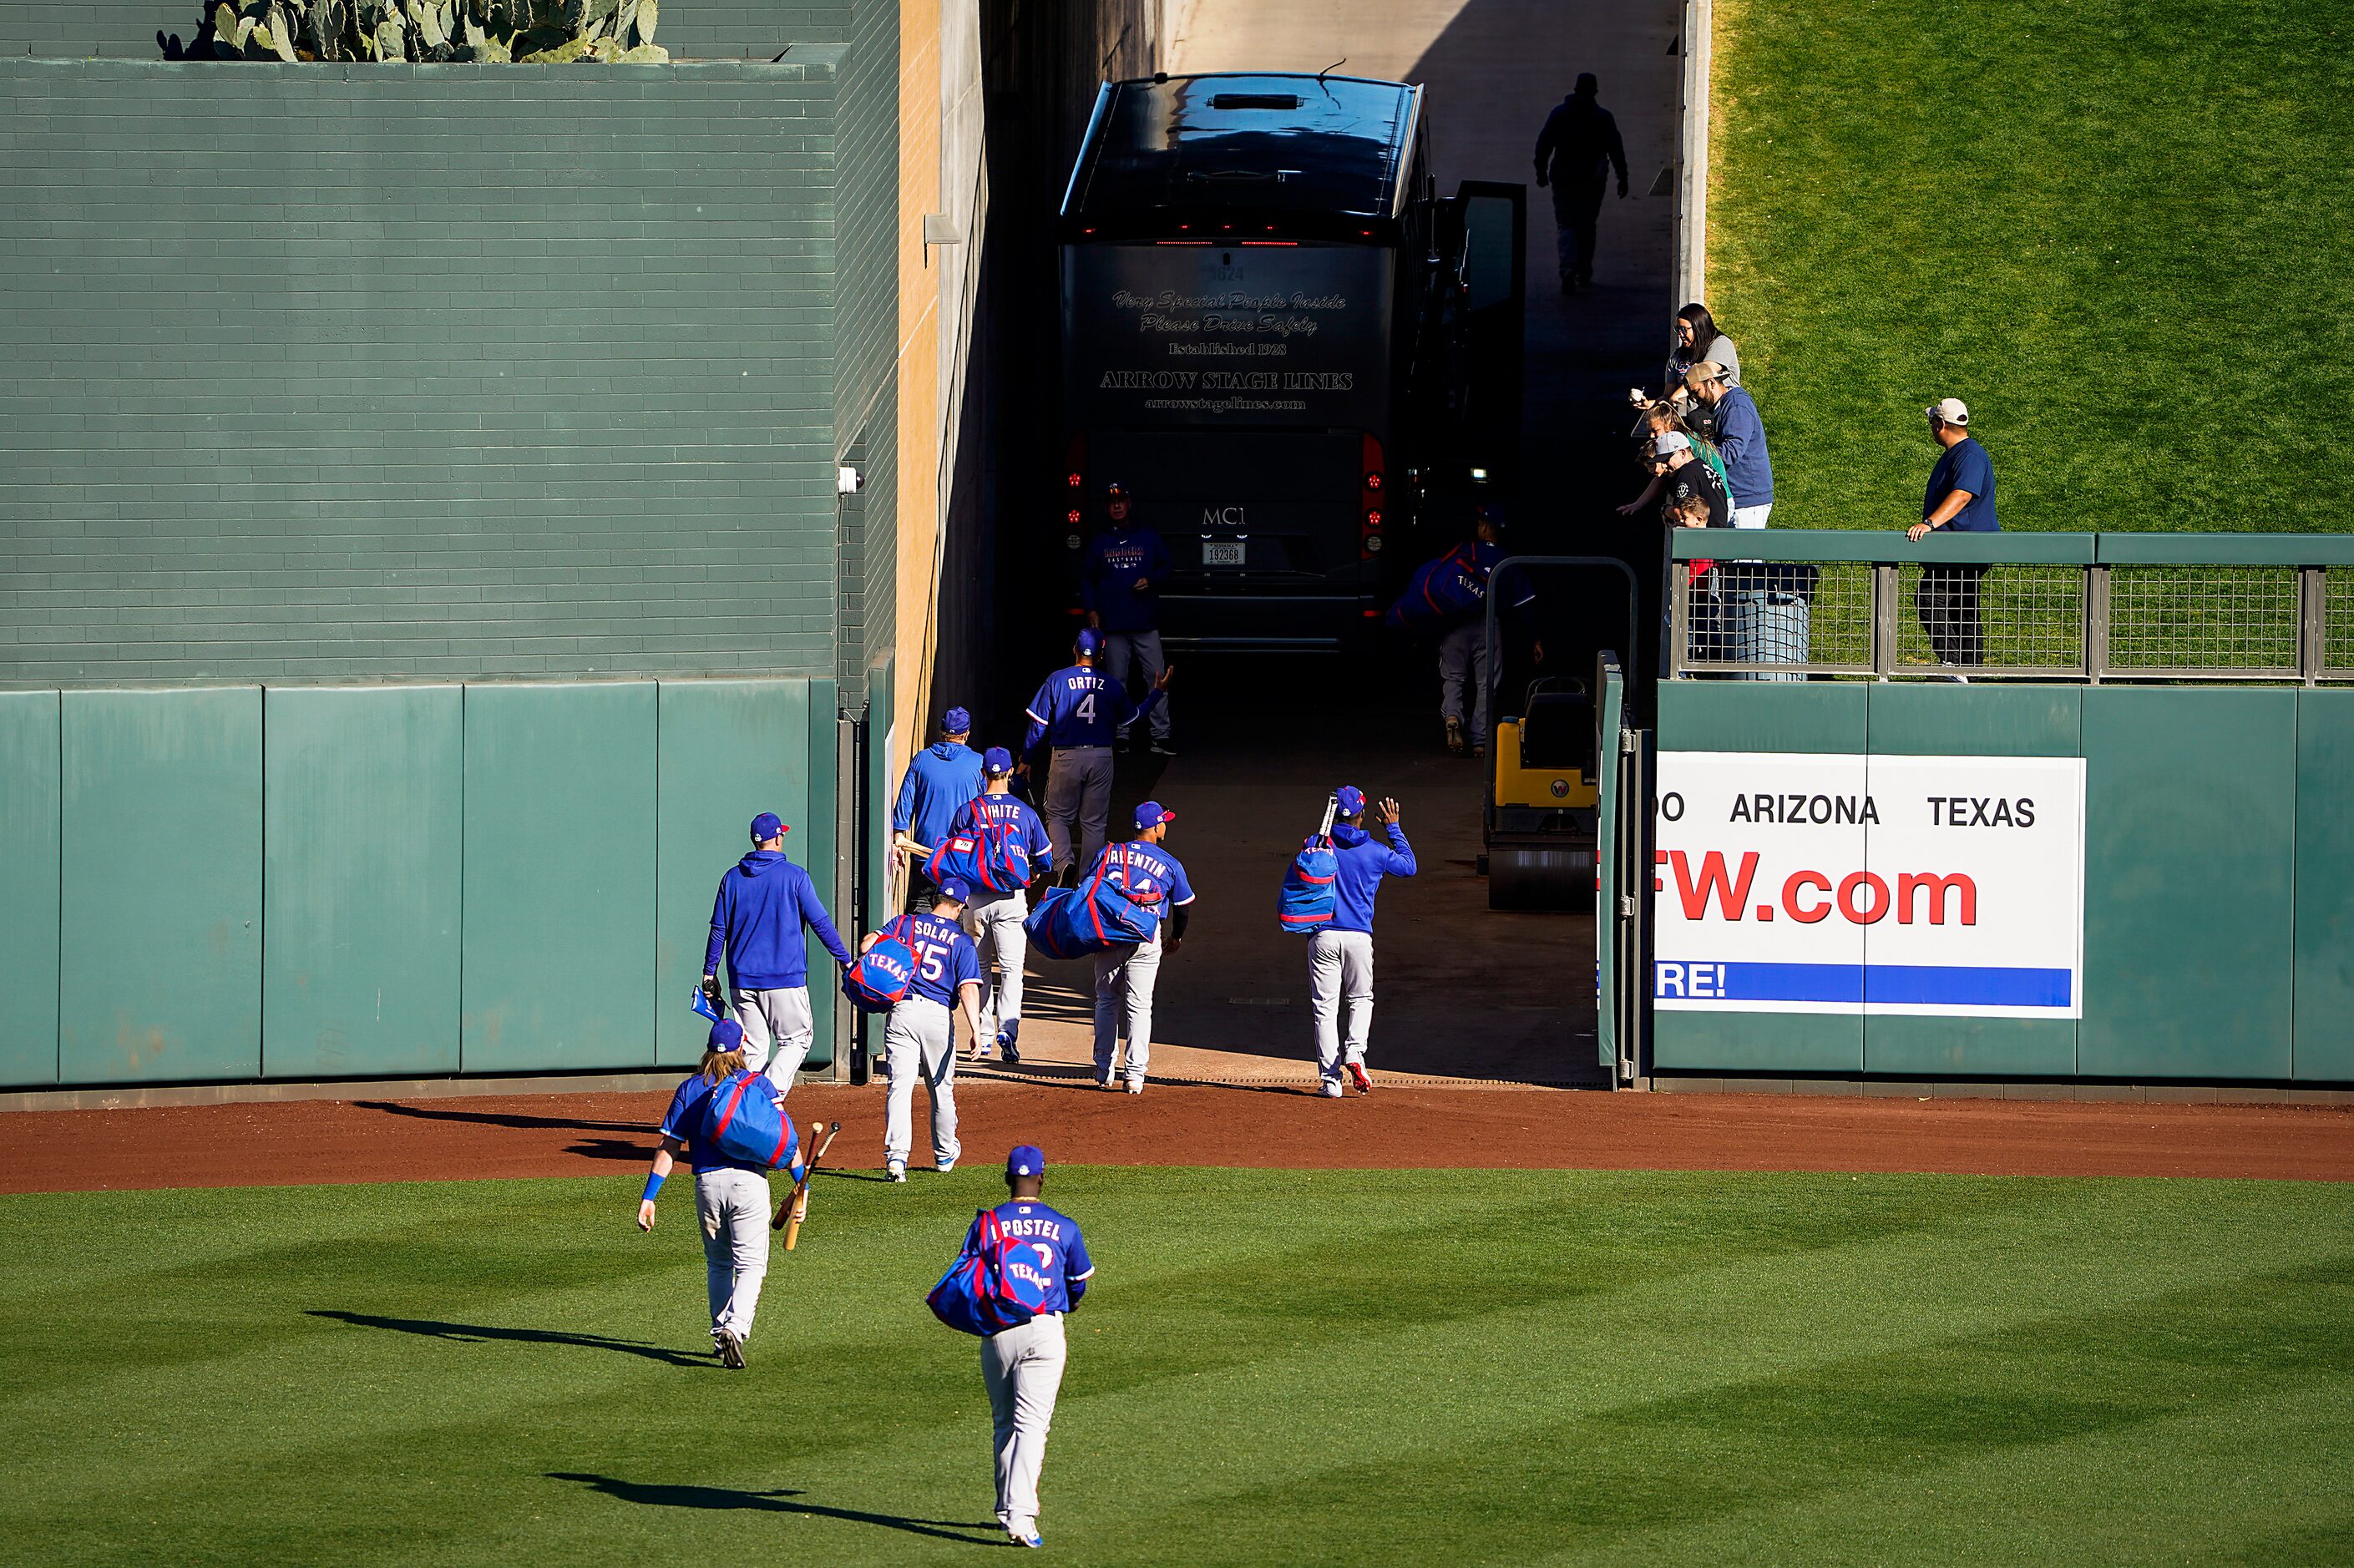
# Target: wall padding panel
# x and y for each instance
(28, 887)
(2324, 1038)
(160, 925)
(364, 811)
(558, 946)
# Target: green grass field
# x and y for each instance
(2120, 233)
(1276, 1367)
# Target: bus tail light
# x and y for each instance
(1369, 501)
(1074, 489)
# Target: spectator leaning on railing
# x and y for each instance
(1767, 610)
(1960, 498)
(1741, 437)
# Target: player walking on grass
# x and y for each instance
(993, 919)
(731, 1197)
(764, 902)
(1340, 955)
(921, 1036)
(1023, 1366)
(1125, 975)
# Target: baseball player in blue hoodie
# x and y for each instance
(764, 902)
(1077, 712)
(1120, 584)
(731, 1198)
(939, 781)
(1340, 956)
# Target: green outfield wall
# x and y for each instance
(221, 883)
(2218, 878)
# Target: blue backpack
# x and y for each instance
(1096, 916)
(743, 1121)
(883, 975)
(983, 853)
(1451, 585)
(1310, 884)
(979, 1295)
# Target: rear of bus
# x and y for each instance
(1234, 342)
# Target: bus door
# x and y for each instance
(1491, 293)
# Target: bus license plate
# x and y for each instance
(1222, 552)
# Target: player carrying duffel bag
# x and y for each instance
(745, 1120)
(1310, 882)
(883, 975)
(1452, 586)
(1096, 916)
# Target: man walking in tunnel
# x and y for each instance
(1576, 152)
(1075, 713)
(1120, 584)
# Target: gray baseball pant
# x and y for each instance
(994, 923)
(1143, 647)
(1124, 980)
(1023, 1369)
(783, 1015)
(1078, 790)
(734, 1208)
(1463, 656)
(1341, 973)
(921, 1042)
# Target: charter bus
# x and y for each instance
(1258, 294)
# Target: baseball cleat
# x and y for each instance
(980, 1052)
(943, 1166)
(1329, 1089)
(731, 1349)
(1136, 1085)
(1357, 1076)
(1163, 748)
(895, 1170)
(1022, 1534)
(1455, 735)
(1008, 1044)
(1103, 1080)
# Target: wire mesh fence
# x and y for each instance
(2203, 619)
(2058, 618)
(1998, 618)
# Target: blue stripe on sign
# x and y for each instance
(1886, 984)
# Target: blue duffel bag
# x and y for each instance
(1096, 916)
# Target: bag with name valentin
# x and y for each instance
(1096, 916)
(743, 1121)
(981, 1293)
(1311, 884)
(1453, 584)
(986, 854)
(883, 973)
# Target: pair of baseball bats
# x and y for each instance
(795, 1208)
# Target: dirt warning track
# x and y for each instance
(364, 1140)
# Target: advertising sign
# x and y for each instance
(1941, 886)
(1193, 334)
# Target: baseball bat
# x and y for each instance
(795, 1208)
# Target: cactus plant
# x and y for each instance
(489, 31)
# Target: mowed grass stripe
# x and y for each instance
(1449, 1351)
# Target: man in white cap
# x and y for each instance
(1959, 499)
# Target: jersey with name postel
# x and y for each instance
(1082, 707)
(683, 1121)
(1050, 1253)
(945, 956)
(1145, 870)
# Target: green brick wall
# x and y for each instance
(432, 372)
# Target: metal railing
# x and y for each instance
(2072, 607)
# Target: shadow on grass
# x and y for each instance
(481, 1333)
(778, 1500)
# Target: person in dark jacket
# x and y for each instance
(765, 902)
(1960, 500)
(1576, 152)
(1120, 585)
(1340, 956)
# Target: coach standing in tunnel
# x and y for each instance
(1077, 712)
(1576, 152)
(1120, 584)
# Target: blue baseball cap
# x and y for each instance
(957, 889)
(1090, 641)
(955, 720)
(1153, 813)
(767, 825)
(1026, 1160)
(727, 1034)
(1353, 799)
(997, 759)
